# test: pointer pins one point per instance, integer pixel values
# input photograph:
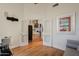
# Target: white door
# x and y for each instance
(47, 32)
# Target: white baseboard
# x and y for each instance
(13, 46)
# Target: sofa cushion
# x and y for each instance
(71, 52)
(72, 44)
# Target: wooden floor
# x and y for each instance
(36, 48)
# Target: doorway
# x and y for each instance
(35, 33)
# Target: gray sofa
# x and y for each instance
(72, 48)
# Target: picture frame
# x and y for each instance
(66, 23)
(35, 23)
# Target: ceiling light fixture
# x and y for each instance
(56, 4)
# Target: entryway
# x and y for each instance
(35, 30)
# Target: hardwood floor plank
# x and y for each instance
(39, 50)
(36, 48)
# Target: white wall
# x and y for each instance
(8, 28)
(46, 13)
(39, 12)
(60, 40)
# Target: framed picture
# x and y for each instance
(35, 23)
(66, 23)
